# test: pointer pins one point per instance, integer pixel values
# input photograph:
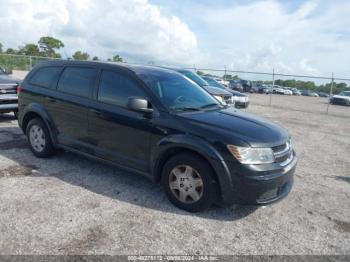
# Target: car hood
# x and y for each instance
(5, 79)
(256, 131)
(217, 91)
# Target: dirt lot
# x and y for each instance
(71, 205)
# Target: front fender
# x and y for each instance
(166, 146)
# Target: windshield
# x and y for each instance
(177, 92)
(345, 93)
(194, 77)
(213, 82)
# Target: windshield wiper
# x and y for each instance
(187, 108)
(210, 105)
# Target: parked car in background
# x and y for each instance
(305, 92)
(158, 123)
(296, 92)
(254, 89)
(287, 91)
(278, 90)
(323, 94)
(220, 94)
(343, 98)
(8, 93)
(247, 85)
(222, 81)
(241, 100)
(269, 89)
(235, 85)
(309, 93)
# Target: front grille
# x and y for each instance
(273, 193)
(283, 153)
(270, 194)
(7, 89)
(228, 99)
(279, 148)
(281, 159)
(7, 102)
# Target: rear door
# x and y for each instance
(68, 105)
(118, 134)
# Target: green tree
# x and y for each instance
(200, 73)
(11, 51)
(30, 49)
(49, 45)
(1, 47)
(230, 77)
(78, 55)
(95, 58)
(117, 58)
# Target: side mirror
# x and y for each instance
(139, 105)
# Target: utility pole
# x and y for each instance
(330, 92)
(273, 84)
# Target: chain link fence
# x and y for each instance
(308, 100)
(315, 99)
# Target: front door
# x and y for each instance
(118, 134)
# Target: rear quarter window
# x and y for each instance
(46, 77)
(77, 80)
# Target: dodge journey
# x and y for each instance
(158, 123)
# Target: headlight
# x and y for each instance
(219, 98)
(251, 155)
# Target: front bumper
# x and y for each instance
(241, 104)
(340, 101)
(258, 185)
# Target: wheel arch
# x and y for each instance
(38, 111)
(172, 146)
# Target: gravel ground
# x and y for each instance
(71, 205)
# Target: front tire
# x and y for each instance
(188, 182)
(39, 138)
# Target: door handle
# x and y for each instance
(96, 111)
(50, 99)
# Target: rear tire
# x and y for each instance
(39, 138)
(188, 182)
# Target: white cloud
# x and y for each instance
(312, 38)
(102, 28)
(260, 35)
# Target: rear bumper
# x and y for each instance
(254, 185)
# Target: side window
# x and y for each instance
(46, 77)
(116, 89)
(77, 80)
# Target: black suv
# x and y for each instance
(158, 123)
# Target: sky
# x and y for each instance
(298, 37)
